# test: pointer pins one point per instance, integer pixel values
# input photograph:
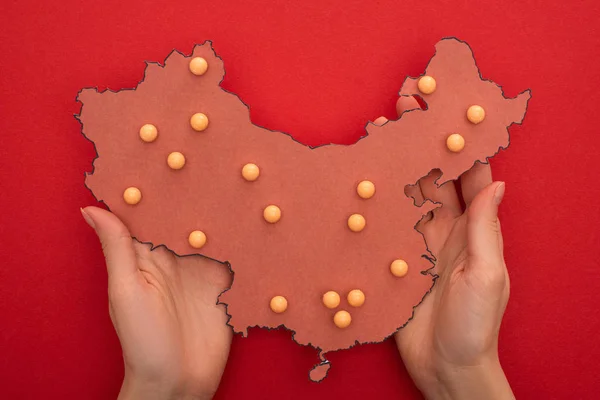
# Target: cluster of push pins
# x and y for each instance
(272, 214)
(331, 299)
(175, 160)
(356, 297)
(475, 114)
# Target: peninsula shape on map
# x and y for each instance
(321, 235)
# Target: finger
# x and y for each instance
(445, 194)
(484, 238)
(380, 121)
(474, 180)
(116, 242)
(406, 103)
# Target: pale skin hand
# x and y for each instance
(450, 348)
(174, 337)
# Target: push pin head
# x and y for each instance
(399, 268)
(455, 143)
(278, 304)
(132, 195)
(176, 160)
(272, 214)
(475, 114)
(342, 319)
(148, 133)
(198, 66)
(426, 84)
(356, 222)
(331, 299)
(365, 189)
(250, 172)
(197, 239)
(199, 122)
(356, 298)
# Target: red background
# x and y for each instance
(317, 70)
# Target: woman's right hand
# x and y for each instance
(450, 348)
(174, 335)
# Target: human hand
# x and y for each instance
(174, 336)
(450, 348)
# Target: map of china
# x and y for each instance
(310, 249)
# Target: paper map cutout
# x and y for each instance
(310, 250)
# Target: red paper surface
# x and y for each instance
(310, 250)
(303, 69)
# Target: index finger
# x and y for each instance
(474, 180)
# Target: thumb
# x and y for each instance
(483, 228)
(116, 241)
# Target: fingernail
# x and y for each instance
(87, 218)
(499, 193)
(380, 121)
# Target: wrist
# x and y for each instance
(134, 388)
(484, 380)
